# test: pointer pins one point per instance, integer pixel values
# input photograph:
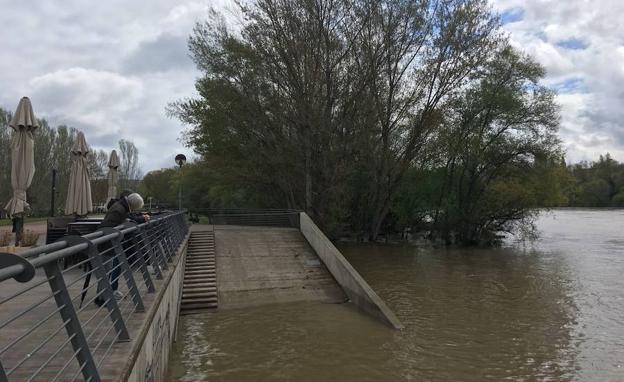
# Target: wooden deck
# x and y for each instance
(112, 363)
(266, 265)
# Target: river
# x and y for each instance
(552, 309)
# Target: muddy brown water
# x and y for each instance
(548, 310)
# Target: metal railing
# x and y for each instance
(57, 325)
(250, 217)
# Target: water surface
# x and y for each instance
(548, 310)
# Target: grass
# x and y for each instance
(5, 222)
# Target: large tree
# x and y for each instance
(498, 150)
(313, 95)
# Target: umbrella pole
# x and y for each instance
(18, 227)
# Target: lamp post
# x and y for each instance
(180, 160)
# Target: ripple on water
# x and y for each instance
(552, 310)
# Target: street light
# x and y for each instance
(180, 160)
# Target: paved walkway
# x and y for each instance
(265, 265)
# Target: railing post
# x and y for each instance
(140, 254)
(125, 267)
(175, 232)
(3, 376)
(157, 248)
(151, 252)
(72, 326)
(104, 285)
(164, 243)
(180, 225)
(170, 235)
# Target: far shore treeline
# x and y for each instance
(52, 146)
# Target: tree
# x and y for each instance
(496, 142)
(314, 95)
(129, 172)
(598, 184)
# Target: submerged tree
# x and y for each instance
(312, 97)
(497, 141)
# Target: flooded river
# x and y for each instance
(552, 309)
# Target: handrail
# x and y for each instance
(32, 317)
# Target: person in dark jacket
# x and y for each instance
(117, 214)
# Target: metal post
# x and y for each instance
(180, 160)
(125, 268)
(151, 253)
(104, 285)
(166, 240)
(180, 192)
(73, 326)
(3, 376)
(157, 248)
(140, 254)
(53, 192)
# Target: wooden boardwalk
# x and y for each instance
(111, 356)
(266, 265)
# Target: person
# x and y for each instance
(127, 206)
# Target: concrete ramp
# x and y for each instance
(265, 265)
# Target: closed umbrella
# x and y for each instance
(113, 176)
(24, 124)
(79, 192)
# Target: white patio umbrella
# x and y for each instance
(24, 124)
(113, 175)
(79, 192)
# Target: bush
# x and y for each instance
(29, 238)
(5, 238)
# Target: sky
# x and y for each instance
(581, 45)
(109, 68)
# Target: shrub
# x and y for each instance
(29, 238)
(5, 238)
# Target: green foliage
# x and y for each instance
(201, 188)
(597, 184)
(372, 116)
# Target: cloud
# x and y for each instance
(91, 100)
(111, 67)
(164, 53)
(108, 68)
(580, 45)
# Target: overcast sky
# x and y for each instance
(109, 68)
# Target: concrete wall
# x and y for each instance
(151, 350)
(358, 290)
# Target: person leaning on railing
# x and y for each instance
(126, 207)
